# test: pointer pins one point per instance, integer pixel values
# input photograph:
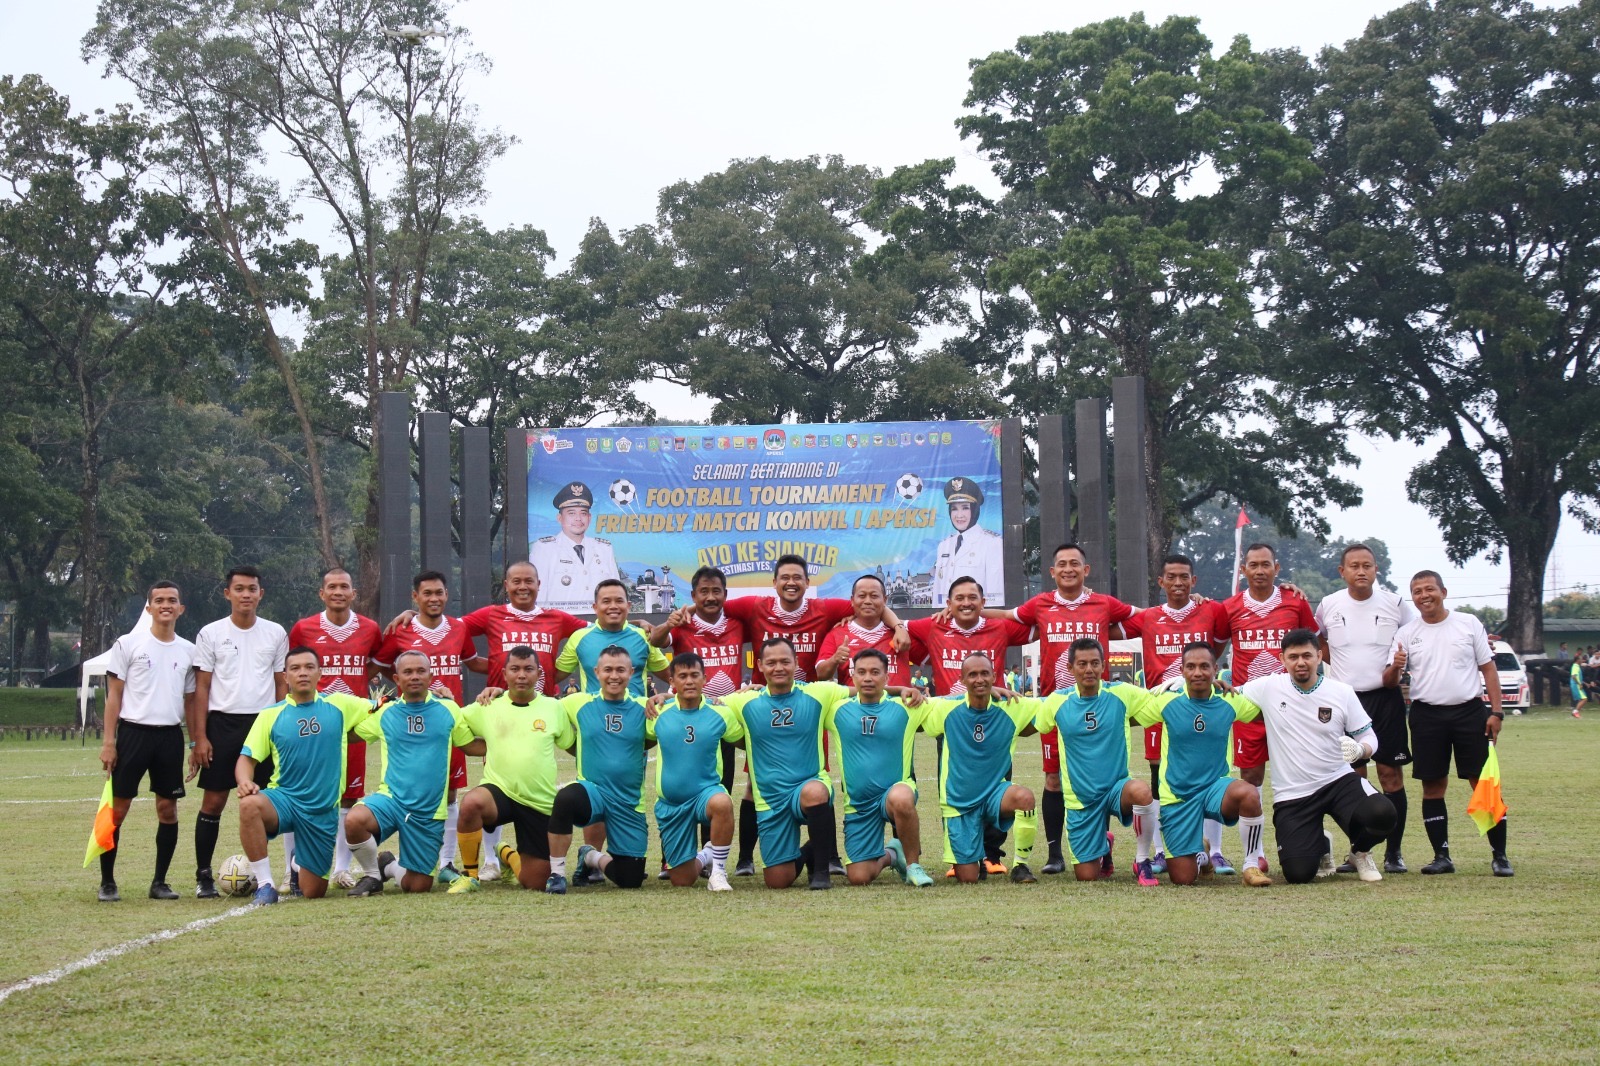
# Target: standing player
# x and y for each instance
(239, 664)
(149, 692)
(609, 724)
(418, 732)
(974, 792)
(1165, 630)
(345, 643)
(1317, 728)
(1451, 665)
(865, 628)
(1258, 617)
(784, 725)
(874, 735)
(1579, 697)
(971, 549)
(573, 562)
(690, 733)
(1358, 624)
(610, 629)
(303, 737)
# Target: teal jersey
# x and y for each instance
(416, 739)
(689, 748)
(306, 743)
(582, 651)
(783, 735)
(1094, 738)
(1577, 674)
(611, 742)
(1196, 739)
(874, 742)
(977, 747)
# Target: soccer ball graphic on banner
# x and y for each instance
(623, 492)
(234, 878)
(909, 487)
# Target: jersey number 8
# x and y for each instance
(977, 732)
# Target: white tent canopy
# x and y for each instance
(94, 669)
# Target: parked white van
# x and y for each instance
(1515, 696)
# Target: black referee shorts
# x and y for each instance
(227, 733)
(1387, 709)
(533, 825)
(1438, 730)
(156, 750)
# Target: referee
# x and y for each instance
(1357, 627)
(1448, 655)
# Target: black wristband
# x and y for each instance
(1497, 714)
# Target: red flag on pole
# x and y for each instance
(1238, 545)
(1243, 521)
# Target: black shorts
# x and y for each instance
(227, 733)
(156, 750)
(1437, 730)
(1387, 709)
(533, 825)
(1297, 824)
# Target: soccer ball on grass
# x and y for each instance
(235, 879)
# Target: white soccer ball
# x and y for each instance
(234, 878)
(623, 492)
(909, 487)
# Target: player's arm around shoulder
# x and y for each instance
(1245, 709)
(1024, 711)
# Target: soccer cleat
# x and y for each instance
(1361, 863)
(555, 885)
(835, 868)
(1394, 863)
(1107, 867)
(344, 879)
(1056, 865)
(449, 875)
(1021, 875)
(205, 886)
(1255, 877)
(489, 871)
(292, 889)
(265, 896)
(745, 869)
(108, 892)
(1261, 861)
(366, 886)
(917, 877)
(950, 872)
(1441, 864)
(1501, 866)
(1575, 713)
(462, 885)
(1203, 870)
(1325, 866)
(1220, 863)
(897, 857)
(719, 880)
(1144, 872)
(992, 867)
(820, 881)
(1158, 863)
(585, 876)
(161, 890)
(385, 858)
(1346, 867)
(664, 874)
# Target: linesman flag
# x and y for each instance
(1487, 808)
(103, 837)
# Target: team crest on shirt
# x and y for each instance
(538, 725)
(1324, 714)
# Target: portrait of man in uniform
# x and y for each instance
(571, 562)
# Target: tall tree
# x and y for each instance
(1444, 272)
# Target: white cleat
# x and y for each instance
(1326, 868)
(1366, 869)
(489, 871)
(719, 880)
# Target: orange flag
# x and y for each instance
(1487, 807)
(103, 837)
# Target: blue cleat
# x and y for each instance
(1158, 863)
(265, 896)
(556, 885)
(1220, 863)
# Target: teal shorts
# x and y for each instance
(314, 832)
(627, 832)
(778, 829)
(679, 824)
(1183, 823)
(1086, 828)
(863, 827)
(421, 834)
(965, 830)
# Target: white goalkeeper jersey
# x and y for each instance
(1303, 731)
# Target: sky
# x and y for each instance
(612, 102)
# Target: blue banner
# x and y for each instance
(917, 503)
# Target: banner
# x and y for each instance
(916, 503)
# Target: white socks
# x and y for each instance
(1250, 836)
(1144, 827)
(288, 852)
(558, 866)
(341, 846)
(1213, 832)
(366, 856)
(491, 846)
(261, 870)
(447, 853)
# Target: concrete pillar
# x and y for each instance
(1094, 509)
(394, 503)
(435, 494)
(1055, 487)
(1133, 501)
(516, 521)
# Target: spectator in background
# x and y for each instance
(1562, 654)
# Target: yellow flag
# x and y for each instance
(1487, 807)
(103, 837)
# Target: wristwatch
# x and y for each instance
(1497, 714)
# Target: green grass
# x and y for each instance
(38, 707)
(1467, 967)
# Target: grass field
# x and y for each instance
(38, 706)
(1458, 968)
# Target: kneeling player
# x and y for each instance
(979, 737)
(521, 729)
(304, 738)
(417, 732)
(1195, 738)
(874, 735)
(611, 742)
(690, 734)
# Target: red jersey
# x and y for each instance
(505, 627)
(764, 618)
(1060, 622)
(345, 651)
(1257, 630)
(720, 644)
(1165, 632)
(447, 647)
(945, 645)
(858, 638)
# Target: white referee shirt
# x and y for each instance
(241, 663)
(1303, 731)
(1360, 634)
(1444, 658)
(155, 675)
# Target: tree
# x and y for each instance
(1579, 603)
(1444, 271)
(1309, 563)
